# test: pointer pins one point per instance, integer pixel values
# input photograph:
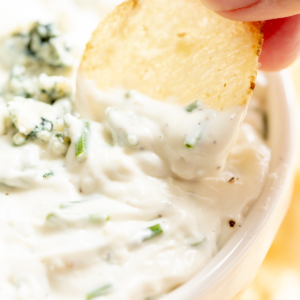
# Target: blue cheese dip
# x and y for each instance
(111, 195)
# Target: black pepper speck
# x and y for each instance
(231, 223)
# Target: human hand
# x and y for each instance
(282, 29)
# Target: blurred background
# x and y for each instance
(279, 275)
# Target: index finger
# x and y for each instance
(282, 43)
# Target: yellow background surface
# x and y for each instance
(279, 276)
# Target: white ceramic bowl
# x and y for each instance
(236, 265)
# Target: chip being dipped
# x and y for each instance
(175, 48)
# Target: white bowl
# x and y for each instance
(237, 263)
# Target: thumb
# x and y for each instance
(254, 10)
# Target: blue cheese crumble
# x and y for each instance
(44, 88)
(52, 88)
(40, 43)
(19, 84)
(46, 44)
(34, 102)
(36, 120)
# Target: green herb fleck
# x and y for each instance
(198, 243)
(50, 216)
(81, 147)
(70, 203)
(71, 219)
(190, 146)
(99, 292)
(98, 218)
(132, 140)
(265, 126)
(128, 95)
(155, 231)
(193, 138)
(46, 175)
(192, 106)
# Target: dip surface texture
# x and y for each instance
(116, 196)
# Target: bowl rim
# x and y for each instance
(242, 240)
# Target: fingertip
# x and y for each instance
(282, 43)
(228, 5)
(255, 10)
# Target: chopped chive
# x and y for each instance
(127, 94)
(192, 106)
(190, 146)
(46, 175)
(70, 203)
(155, 230)
(68, 218)
(132, 140)
(95, 218)
(193, 138)
(265, 125)
(198, 243)
(50, 216)
(81, 147)
(99, 292)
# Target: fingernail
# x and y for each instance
(227, 5)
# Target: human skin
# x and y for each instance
(282, 27)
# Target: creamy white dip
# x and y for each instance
(129, 202)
